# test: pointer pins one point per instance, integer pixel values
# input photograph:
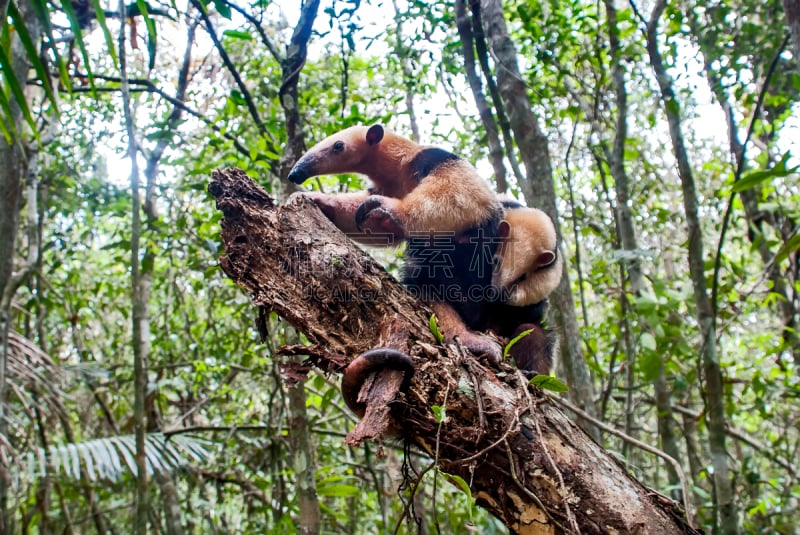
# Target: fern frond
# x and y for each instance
(111, 458)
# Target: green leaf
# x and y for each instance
(514, 340)
(16, 89)
(239, 100)
(123, 244)
(33, 54)
(648, 341)
(672, 106)
(148, 261)
(43, 12)
(435, 329)
(460, 483)
(151, 51)
(791, 245)
(338, 490)
(237, 34)
(111, 457)
(223, 8)
(650, 364)
(101, 20)
(548, 382)
(751, 180)
(439, 413)
(152, 36)
(796, 81)
(7, 134)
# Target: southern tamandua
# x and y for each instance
(527, 268)
(426, 196)
(415, 189)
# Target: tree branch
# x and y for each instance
(265, 40)
(148, 85)
(464, 25)
(231, 68)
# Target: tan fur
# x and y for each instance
(454, 197)
(340, 207)
(532, 234)
(451, 198)
(381, 163)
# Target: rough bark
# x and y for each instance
(525, 461)
(539, 191)
(12, 171)
(712, 372)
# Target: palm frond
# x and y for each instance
(111, 458)
(32, 373)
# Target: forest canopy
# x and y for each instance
(137, 391)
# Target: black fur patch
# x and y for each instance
(456, 269)
(533, 353)
(427, 160)
(511, 204)
(504, 318)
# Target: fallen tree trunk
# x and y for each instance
(524, 460)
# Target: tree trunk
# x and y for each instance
(464, 24)
(140, 328)
(712, 372)
(300, 442)
(482, 53)
(525, 461)
(291, 65)
(627, 234)
(539, 191)
(409, 76)
(12, 171)
(171, 504)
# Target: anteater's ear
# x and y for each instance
(374, 134)
(545, 259)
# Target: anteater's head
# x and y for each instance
(527, 266)
(343, 152)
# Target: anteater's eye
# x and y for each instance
(338, 146)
